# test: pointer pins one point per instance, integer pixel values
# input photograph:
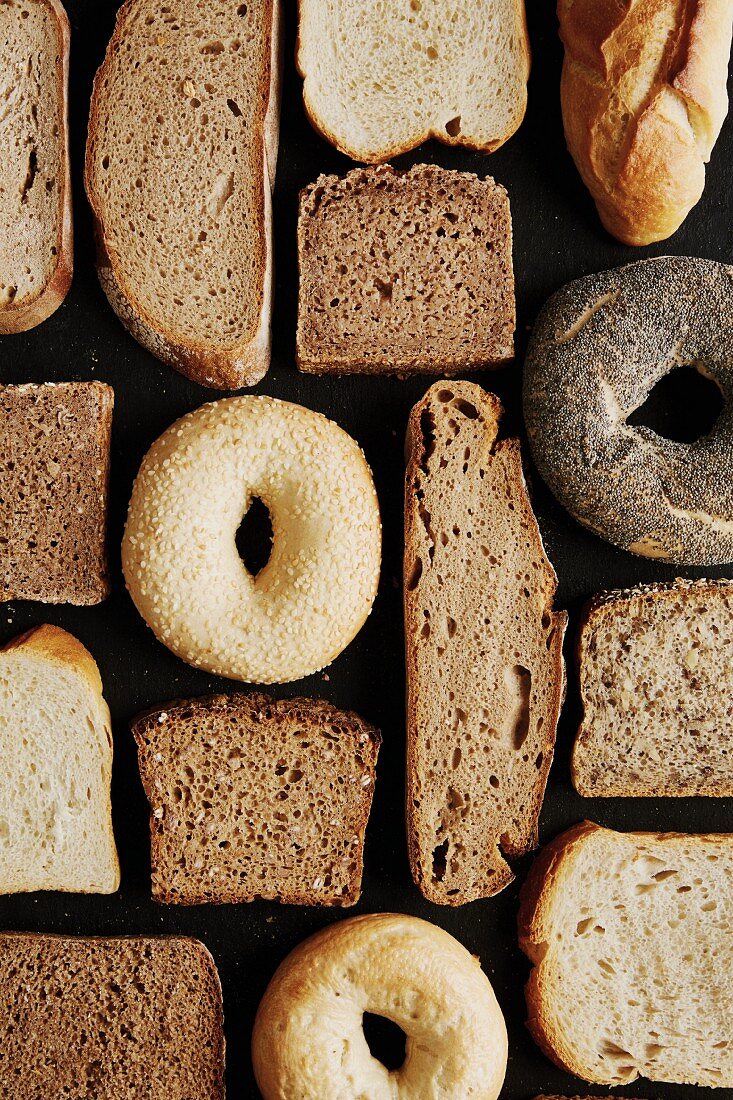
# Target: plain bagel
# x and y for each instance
(599, 347)
(180, 558)
(308, 1041)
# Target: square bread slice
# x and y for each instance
(253, 797)
(404, 273)
(655, 669)
(56, 751)
(54, 470)
(109, 1019)
(485, 672)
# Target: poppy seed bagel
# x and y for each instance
(598, 348)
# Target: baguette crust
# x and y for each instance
(643, 98)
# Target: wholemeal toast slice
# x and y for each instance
(56, 745)
(629, 937)
(380, 79)
(180, 165)
(253, 797)
(109, 1018)
(36, 245)
(404, 272)
(54, 471)
(485, 674)
(653, 680)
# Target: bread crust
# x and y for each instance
(26, 313)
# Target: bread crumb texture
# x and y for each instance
(404, 272)
(54, 469)
(109, 1018)
(485, 672)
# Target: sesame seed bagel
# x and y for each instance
(180, 559)
(599, 347)
(308, 1041)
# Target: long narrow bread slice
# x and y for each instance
(629, 934)
(253, 797)
(56, 745)
(485, 674)
(36, 246)
(382, 78)
(179, 168)
(109, 1018)
(655, 673)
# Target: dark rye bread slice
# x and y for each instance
(485, 673)
(404, 272)
(54, 470)
(654, 679)
(253, 797)
(109, 1019)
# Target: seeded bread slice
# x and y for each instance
(253, 797)
(109, 1018)
(485, 674)
(404, 272)
(654, 670)
(36, 245)
(180, 165)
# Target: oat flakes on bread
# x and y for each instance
(485, 673)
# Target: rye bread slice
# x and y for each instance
(54, 470)
(253, 797)
(109, 1018)
(404, 273)
(485, 673)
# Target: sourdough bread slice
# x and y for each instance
(654, 673)
(253, 797)
(179, 168)
(485, 674)
(109, 1018)
(629, 937)
(404, 272)
(36, 246)
(56, 750)
(382, 78)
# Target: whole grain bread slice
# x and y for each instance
(109, 1018)
(485, 673)
(180, 164)
(253, 797)
(36, 245)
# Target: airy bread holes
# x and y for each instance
(518, 682)
(453, 127)
(386, 1040)
(254, 537)
(683, 406)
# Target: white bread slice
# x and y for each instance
(180, 165)
(56, 745)
(630, 937)
(382, 78)
(36, 247)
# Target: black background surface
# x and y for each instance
(557, 237)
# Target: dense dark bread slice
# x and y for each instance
(485, 674)
(655, 683)
(253, 797)
(109, 1018)
(54, 469)
(404, 272)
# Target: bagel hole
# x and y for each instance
(386, 1040)
(683, 406)
(254, 537)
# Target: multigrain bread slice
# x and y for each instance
(380, 79)
(54, 472)
(180, 165)
(654, 672)
(485, 673)
(404, 272)
(109, 1018)
(629, 934)
(36, 245)
(253, 797)
(56, 749)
